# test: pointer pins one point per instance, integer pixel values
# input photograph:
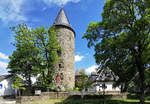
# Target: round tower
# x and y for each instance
(65, 70)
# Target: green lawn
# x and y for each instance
(87, 101)
(48, 101)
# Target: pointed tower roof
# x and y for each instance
(62, 19)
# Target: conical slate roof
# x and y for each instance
(62, 19)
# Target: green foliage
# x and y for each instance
(18, 83)
(75, 89)
(122, 40)
(82, 82)
(23, 61)
(35, 54)
(50, 48)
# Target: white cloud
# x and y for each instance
(78, 58)
(91, 69)
(10, 11)
(13, 10)
(3, 56)
(3, 65)
(59, 2)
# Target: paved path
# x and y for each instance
(7, 101)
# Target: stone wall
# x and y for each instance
(66, 65)
(66, 95)
(43, 96)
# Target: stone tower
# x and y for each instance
(65, 69)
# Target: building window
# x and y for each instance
(1, 86)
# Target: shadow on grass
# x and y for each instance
(96, 99)
(136, 96)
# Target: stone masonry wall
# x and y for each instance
(66, 95)
(66, 65)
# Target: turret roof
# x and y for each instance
(62, 19)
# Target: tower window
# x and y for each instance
(59, 53)
(69, 78)
(60, 66)
(62, 76)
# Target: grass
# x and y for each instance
(131, 100)
(103, 101)
(87, 101)
(48, 101)
(147, 98)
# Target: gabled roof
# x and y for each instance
(2, 77)
(106, 75)
(103, 75)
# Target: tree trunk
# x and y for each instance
(29, 79)
(140, 68)
(124, 87)
(29, 85)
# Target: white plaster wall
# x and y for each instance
(6, 87)
(109, 87)
(92, 89)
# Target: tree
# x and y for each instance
(18, 83)
(82, 81)
(50, 48)
(122, 40)
(35, 54)
(23, 61)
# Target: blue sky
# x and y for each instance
(36, 13)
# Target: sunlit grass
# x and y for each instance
(130, 100)
(87, 101)
(47, 101)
